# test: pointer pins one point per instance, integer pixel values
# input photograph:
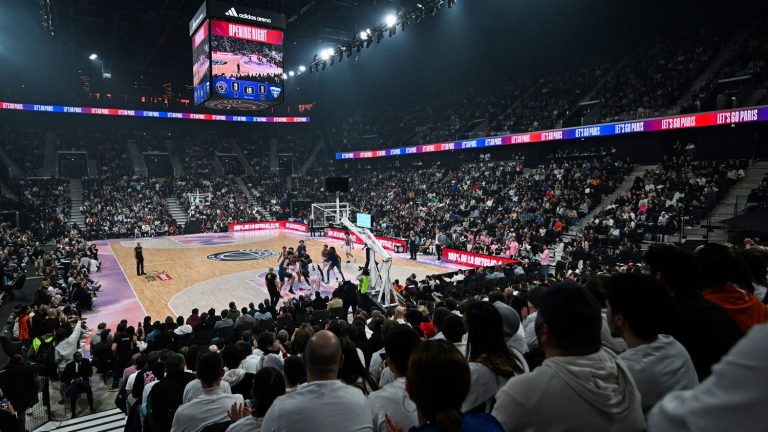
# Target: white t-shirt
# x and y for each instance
(211, 407)
(320, 406)
(658, 368)
(733, 398)
(246, 424)
(393, 400)
(194, 389)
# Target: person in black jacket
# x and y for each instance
(167, 395)
(17, 381)
(138, 253)
(705, 329)
(77, 379)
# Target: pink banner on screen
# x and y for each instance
(258, 226)
(200, 35)
(472, 259)
(246, 32)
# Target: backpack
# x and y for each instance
(46, 355)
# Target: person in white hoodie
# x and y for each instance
(580, 386)
(638, 305)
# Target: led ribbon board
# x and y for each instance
(148, 114)
(687, 121)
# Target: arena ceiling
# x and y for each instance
(149, 38)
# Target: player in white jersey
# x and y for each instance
(348, 247)
(315, 276)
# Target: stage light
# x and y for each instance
(302, 69)
(390, 20)
(285, 76)
(93, 56)
(363, 35)
(291, 73)
(326, 53)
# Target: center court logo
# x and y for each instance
(242, 255)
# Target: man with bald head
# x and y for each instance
(324, 403)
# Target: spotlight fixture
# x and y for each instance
(363, 35)
(390, 20)
(93, 56)
(285, 76)
(302, 69)
(291, 73)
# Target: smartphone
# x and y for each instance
(4, 404)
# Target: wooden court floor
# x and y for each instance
(197, 281)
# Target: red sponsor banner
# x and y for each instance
(386, 242)
(246, 32)
(257, 226)
(295, 226)
(472, 259)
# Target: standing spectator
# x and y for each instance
(335, 405)
(657, 362)
(413, 245)
(581, 386)
(211, 407)
(122, 348)
(544, 262)
(17, 382)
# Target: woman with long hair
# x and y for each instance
(268, 385)
(438, 381)
(492, 361)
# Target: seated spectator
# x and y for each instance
(731, 399)
(392, 399)
(168, 394)
(725, 280)
(438, 381)
(706, 330)
(212, 406)
(580, 386)
(658, 363)
(77, 378)
(491, 361)
(268, 385)
(334, 405)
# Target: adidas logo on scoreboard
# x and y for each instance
(233, 13)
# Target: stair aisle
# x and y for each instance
(177, 211)
(105, 421)
(76, 195)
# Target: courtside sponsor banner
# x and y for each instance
(152, 114)
(386, 242)
(295, 226)
(472, 259)
(685, 121)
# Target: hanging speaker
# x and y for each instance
(337, 184)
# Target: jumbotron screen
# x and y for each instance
(201, 69)
(247, 62)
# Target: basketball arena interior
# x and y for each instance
(383, 215)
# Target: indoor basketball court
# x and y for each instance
(254, 64)
(210, 270)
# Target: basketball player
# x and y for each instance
(138, 253)
(238, 68)
(348, 247)
(271, 280)
(283, 254)
(315, 277)
(334, 261)
(301, 249)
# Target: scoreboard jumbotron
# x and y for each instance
(237, 55)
